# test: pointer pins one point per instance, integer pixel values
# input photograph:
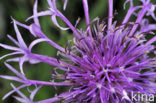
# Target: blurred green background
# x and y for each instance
(21, 10)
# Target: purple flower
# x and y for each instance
(107, 61)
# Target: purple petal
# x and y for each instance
(129, 13)
(34, 92)
(9, 93)
(35, 82)
(20, 93)
(22, 25)
(86, 11)
(50, 100)
(10, 54)
(20, 99)
(36, 30)
(56, 23)
(139, 18)
(35, 12)
(36, 42)
(151, 12)
(13, 40)
(43, 13)
(10, 47)
(14, 71)
(50, 3)
(110, 14)
(21, 61)
(12, 78)
(33, 61)
(16, 59)
(65, 4)
(151, 41)
(19, 37)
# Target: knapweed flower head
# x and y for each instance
(106, 61)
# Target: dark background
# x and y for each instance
(21, 10)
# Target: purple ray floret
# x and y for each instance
(107, 61)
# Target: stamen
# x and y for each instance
(112, 89)
(99, 86)
(67, 45)
(122, 69)
(81, 39)
(130, 79)
(57, 57)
